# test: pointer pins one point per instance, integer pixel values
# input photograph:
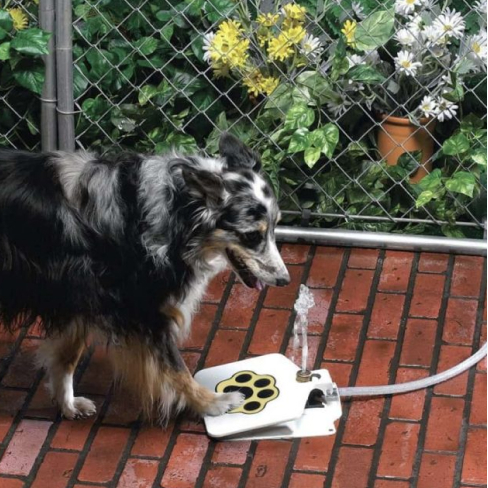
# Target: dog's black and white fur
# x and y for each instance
(122, 248)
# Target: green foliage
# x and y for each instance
(375, 30)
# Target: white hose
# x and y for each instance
(350, 391)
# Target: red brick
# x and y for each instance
(191, 360)
(481, 366)
(24, 447)
(363, 422)
(395, 273)
(305, 480)
(386, 316)
(474, 465)
(339, 372)
(408, 406)
(192, 425)
(225, 348)
(418, 343)
(104, 455)
(11, 483)
(427, 296)
(269, 464)
(98, 376)
(239, 307)
(318, 314)
(222, 477)
(185, 462)
(375, 363)
(269, 332)
(352, 468)
(22, 370)
(391, 484)
(55, 470)
(343, 338)
(123, 409)
(313, 345)
(363, 258)
(314, 453)
(355, 291)
(460, 321)
(450, 356)
(10, 402)
(201, 324)
(444, 424)
(325, 267)
(41, 405)
(294, 253)
(216, 287)
(285, 297)
(466, 276)
(478, 405)
(138, 473)
(433, 263)
(436, 471)
(398, 450)
(73, 435)
(231, 452)
(152, 441)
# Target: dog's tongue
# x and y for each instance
(259, 285)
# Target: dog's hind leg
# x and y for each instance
(163, 383)
(59, 355)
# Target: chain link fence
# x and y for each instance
(368, 115)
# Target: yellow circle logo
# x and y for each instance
(258, 389)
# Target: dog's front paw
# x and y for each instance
(223, 402)
(81, 407)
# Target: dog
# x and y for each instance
(121, 248)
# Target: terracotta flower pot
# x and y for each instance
(398, 135)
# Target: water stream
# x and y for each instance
(304, 302)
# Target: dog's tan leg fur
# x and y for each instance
(160, 389)
(59, 355)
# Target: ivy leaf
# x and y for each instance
(326, 139)
(462, 182)
(299, 140)
(219, 9)
(424, 198)
(299, 116)
(471, 123)
(311, 156)
(31, 41)
(280, 100)
(375, 30)
(5, 51)
(30, 75)
(432, 181)
(366, 74)
(146, 93)
(6, 22)
(146, 45)
(456, 145)
(452, 231)
(456, 94)
(478, 156)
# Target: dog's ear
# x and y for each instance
(237, 154)
(204, 184)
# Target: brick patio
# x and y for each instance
(380, 317)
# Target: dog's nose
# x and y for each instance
(282, 281)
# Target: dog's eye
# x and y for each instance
(251, 238)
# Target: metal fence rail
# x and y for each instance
(308, 84)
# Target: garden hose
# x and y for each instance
(352, 391)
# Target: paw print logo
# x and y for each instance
(258, 390)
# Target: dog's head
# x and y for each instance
(244, 215)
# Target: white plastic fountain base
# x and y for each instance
(277, 405)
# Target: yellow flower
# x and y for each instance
(230, 28)
(269, 84)
(280, 48)
(295, 12)
(267, 20)
(349, 30)
(263, 39)
(257, 84)
(19, 17)
(295, 34)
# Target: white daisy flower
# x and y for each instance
(446, 110)
(428, 4)
(406, 64)
(476, 46)
(358, 10)
(405, 37)
(450, 23)
(415, 23)
(480, 7)
(311, 46)
(370, 57)
(405, 7)
(338, 107)
(356, 60)
(207, 42)
(428, 106)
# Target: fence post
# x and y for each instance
(49, 135)
(64, 62)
